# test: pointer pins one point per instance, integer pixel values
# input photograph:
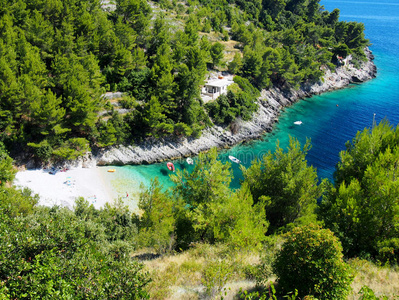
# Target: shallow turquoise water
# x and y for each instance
(327, 125)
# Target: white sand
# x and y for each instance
(64, 187)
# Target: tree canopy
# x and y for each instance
(57, 253)
(7, 171)
(58, 58)
(288, 185)
(208, 211)
(362, 206)
(87, 253)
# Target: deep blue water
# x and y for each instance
(327, 125)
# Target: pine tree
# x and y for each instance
(289, 183)
(162, 79)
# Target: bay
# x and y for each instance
(328, 120)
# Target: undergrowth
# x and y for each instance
(217, 271)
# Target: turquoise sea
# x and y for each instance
(327, 125)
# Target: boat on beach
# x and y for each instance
(234, 159)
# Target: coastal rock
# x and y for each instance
(270, 103)
(86, 161)
(112, 95)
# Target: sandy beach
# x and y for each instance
(62, 188)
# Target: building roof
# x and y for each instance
(219, 82)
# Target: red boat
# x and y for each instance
(170, 166)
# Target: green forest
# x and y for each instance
(57, 59)
(310, 236)
(285, 233)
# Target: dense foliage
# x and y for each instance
(7, 171)
(87, 253)
(157, 223)
(58, 57)
(286, 183)
(204, 210)
(56, 253)
(49, 253)
(237, 103)
(311, 262)
(362, 207)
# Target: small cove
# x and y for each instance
(329, 120)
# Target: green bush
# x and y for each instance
(182, 129)
(128, 102)
(164, 129)
(367, 293)
(42, 150)
(72, 149)
(216, 275)
(53, 253)
(156, 226)
(14, 202)
(311, 262)
(7, 171)
(362, 208)
(207, 210)
(290, 184)
(238, 102)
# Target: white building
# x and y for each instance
(215, 88)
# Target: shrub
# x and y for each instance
(42, 150)
(290, 183)
(362, 208)
(311, 262)
(52, 253)
(157, 222)
(215, 277)
(128, 102)
(72, 149)
(367, 293)
(164, 129)
(14, 202)
(7, 172)
(182, 129)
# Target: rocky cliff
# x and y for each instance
(270, 104)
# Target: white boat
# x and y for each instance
(190, 161)
(234, 159)
(298, 122)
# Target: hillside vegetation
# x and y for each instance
(58, 57)
(202, 239)
(309, 237)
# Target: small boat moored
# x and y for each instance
(234, 159)
(190, 161)
(170, 166)
(298, 122)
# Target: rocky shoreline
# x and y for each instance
(270, 104)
